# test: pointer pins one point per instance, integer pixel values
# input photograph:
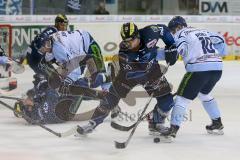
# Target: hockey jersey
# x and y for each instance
(149, 36)
(3, 60)
(200, 49)
(70, 48)
(32, 54)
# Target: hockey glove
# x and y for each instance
(64, 87)
(124, 46)
(99, 79)
(171, 54)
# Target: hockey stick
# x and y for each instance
(12, 98)
(126, 128)
(86, 92)
(17, 68)
(121, 145)
(64, 134)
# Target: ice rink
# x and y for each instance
(19, 141)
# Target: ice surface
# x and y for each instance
(19, 141)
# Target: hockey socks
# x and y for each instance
(211, 108)
(179, 110)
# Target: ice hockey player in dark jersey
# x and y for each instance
(138, 66)
(71, 51)
(37, 99)
(32, 55)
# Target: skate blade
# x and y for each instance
(156, 133)
(215, 132)
(80, 132)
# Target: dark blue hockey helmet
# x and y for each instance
(40, 40)
(176, 21)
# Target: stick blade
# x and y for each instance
(120, 145)
(17, 68)
(69, 132)
(120, 127)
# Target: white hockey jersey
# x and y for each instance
(3, 60)
(69, 48)
(200, 49)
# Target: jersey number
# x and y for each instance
(207, 45)
(65, 34)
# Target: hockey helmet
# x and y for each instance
(62, 18)
(40, 40)
(176, 21)
(129, 31)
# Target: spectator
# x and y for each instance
(100, 9)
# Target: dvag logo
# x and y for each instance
(214, 7)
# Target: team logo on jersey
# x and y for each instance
(155, 28)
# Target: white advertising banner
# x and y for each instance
(108, 34)
(216, 7)
(105, 29)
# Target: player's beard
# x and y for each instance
(136, 45)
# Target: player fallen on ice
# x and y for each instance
(201, 51)
(35, 59)
(72, 51)
(139, 66)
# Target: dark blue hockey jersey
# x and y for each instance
(33, 56)
(137, 63)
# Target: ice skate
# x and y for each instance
(216, 127)
(156, 128)
(85, 129)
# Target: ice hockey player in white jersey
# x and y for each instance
(7, 63)
(4, 59)
(201, 51)
(72, 49)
